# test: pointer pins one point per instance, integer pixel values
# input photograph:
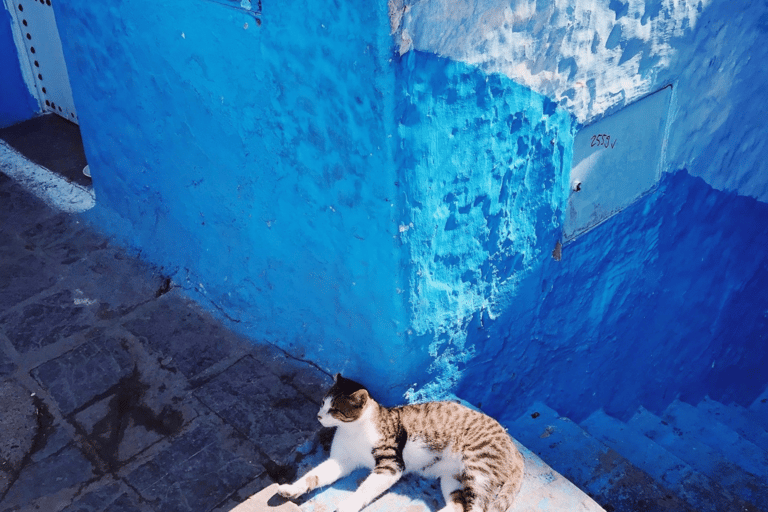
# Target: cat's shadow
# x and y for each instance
(411, 486)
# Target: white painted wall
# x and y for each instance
(595, 56)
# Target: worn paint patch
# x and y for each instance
(484, 167)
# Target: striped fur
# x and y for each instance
(478, 465)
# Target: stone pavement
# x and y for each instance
(117, 393)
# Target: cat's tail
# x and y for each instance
(505, 498)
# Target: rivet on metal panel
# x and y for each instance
(21, 7)
(29, 36)
(32, 49)
(24, 22)
(44, 91)
(39, 76)
(37, 64)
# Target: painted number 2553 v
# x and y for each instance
(603, 140)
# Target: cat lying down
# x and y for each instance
(478, 465)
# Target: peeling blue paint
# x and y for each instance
(486, 172)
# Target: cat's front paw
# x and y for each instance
(290, 491)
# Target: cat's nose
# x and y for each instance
(319, 418)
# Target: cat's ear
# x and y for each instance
(360, 397)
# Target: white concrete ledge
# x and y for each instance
(51, 188)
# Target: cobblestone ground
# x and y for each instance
(117, 393)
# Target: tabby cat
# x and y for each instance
(478, 465)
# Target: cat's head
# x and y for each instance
(344, 403)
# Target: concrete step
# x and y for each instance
(670, 471)
(543, 490)
(738, 418)
(699, 425)
(607, 476)
(759, 409)
(701, 457)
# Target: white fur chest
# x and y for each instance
(353, 443)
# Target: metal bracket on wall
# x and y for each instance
(41, 48)
(252, 7)
(617, 160)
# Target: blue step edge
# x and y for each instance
(738, 418)
(597, 468)
(671, 472)
(701, 457)
(727, 442)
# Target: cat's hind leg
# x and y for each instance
(324, 474)
(453, 494)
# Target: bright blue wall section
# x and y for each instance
(290, 175)
(16, 102)
(668, 297)
(254, 163)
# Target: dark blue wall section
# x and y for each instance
(667, 298)
(16, 102)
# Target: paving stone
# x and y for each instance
(244, 493)
(114, 497)
(52, 436)
(22, 276)
(63, 239)
(18, 205)
(272, 413)
(46, 321)
(66, 470)
(141, 410)
(113, 283)
(18, 425)
(304, 377)
(175, 328)
(266, 501)
(200, 469)
(7, 365)
(85, 372)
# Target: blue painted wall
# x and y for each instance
(253, 161)
(394, 217)
(16, 102)
(285, 173)
(667, 298)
